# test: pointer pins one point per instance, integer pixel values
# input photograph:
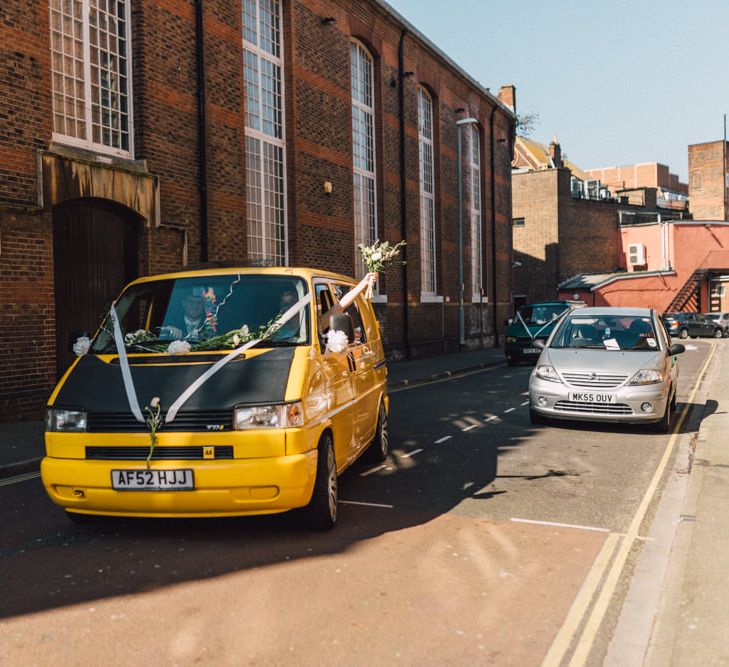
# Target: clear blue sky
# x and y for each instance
(619, 82)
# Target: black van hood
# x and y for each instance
(97, 386)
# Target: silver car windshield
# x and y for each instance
(606, 332)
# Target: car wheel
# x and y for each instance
(673, 402)
(536, 418)
(321, 512)
(718, 333)
(664, 424)
(380, 446)
(683, 334)
(511, 360)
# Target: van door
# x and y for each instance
(365, 385)
(338, 369)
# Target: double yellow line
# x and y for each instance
(604, 561)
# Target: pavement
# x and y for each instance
(22, 443)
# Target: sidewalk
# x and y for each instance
(21, 443)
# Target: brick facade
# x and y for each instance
(161, 184)
(706, 195)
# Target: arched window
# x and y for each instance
(91, 74)
(428, 283)
(265, 135)
(363, 149)
(474, 164)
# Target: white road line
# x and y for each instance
(409, 454)
(524, 403)
(443, 439)
(371, 470)
(468, 428)
(17, 479)
(447, 379)
(561, 525)
(491, 418)
(509, 410)
(357, 502)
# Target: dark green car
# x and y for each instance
(533, 321)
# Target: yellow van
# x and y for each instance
(267, 432)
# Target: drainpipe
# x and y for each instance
(492, 158)
(201, 127)
(403, 190)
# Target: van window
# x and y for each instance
(206, 311)
(360, 335)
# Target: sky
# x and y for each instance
(618, 82)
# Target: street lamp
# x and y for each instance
(461, 318)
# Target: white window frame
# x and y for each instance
(88, 142)
(476, 203)
(363, 223)
(428, 283)
(265, 138)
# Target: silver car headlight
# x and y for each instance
(547, 373)
(65, 420)
(268, 416)
(646, 376)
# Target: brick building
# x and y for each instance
(139, 137)
(564, 223)
(707, 180)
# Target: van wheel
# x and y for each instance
(321, 512)
(380, 445)
(511, 360)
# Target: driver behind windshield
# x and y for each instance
(188, 321)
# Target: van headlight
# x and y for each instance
(547, 373)
(511, 339)
(58, 419)
(268, 416)
(646, 376)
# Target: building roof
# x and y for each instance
(539, 154)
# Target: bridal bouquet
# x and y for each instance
(378, 255)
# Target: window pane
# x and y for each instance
(427, 194)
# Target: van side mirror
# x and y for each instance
(342, 322)
(539, 343)
(676, 348)
(74, 336)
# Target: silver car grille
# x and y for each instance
(594, 379)
(594, 408)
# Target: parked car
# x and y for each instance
(684, 325)
(607, 365)
(532, 322)
(722, 319)
(267, 432)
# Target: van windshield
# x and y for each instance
(207, 313)
(606, 332)
(536, 315)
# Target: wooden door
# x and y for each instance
(95, 255)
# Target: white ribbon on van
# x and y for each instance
(185, 395)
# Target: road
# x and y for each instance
(482, 540)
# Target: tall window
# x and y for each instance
(476, 234)
(427, 194)
(265, 136)
(363, 149)
(91, 74)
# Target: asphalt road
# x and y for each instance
(473, 544)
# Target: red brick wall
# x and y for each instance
(706, 195)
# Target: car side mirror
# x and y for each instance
(676, 348)
(74, 336)
(538, 343)
(342, 322)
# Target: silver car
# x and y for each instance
(607, 365)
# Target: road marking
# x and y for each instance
(524, 403)
(447, 379)
(491, 418)
(560, 525)
(409, 454)
(371, 470)
(579, 607)
(17, 479)
(468, 428)
(509, 410)
(357, 502)
(597, 615)
(443, 439)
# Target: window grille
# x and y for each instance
(476, 226)
(428, 284)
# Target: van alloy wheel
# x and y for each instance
(321, 512)
(380, 445)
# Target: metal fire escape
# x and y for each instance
(688, 297)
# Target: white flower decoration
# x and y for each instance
(236, 340)
(154, 402)
(336, 341)
(81, 346)
(244, 330)
(376, 256)
(178, 347)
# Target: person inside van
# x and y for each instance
(291, 328)
(189, 322)
(346, 301)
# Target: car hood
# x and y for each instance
(607, 361)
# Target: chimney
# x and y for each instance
(555, 153)
(507, 96)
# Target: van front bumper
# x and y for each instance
(234, 487)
